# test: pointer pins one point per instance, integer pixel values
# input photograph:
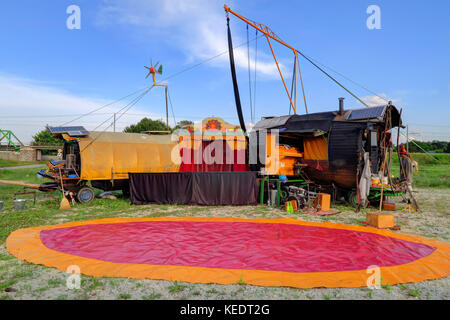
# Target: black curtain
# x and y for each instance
(200, 188)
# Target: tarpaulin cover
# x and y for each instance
(203, 188)
(111, 155)
(315, 148)
(268, 252)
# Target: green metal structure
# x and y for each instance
(9, 136)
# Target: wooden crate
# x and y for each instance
(380, 220)
(389, 206)
(323, 200)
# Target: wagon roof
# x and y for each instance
(322, 120)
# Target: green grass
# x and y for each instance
(386, 287)
(124, 296)
(176, 287)
(153, 296)
(24, 175)
(241, 281)
(7, 284)
(432, 173)
(414, 293)
(14, 163)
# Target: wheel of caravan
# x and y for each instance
(353, 199)
(85, 194)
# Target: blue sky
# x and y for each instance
(49, 74)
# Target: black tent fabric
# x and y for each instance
(345, 144)
(190, 188)
(233, 76)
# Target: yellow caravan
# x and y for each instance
(105, 158)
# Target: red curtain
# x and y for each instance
(205, 159)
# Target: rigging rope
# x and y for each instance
(409, 139)
(249, 75)
(329, 76)
(125, 108)
(171, 108)
(131, 102)
(347, 78)
(303, 87)
(292, 85)
(254, 78)
(104, 106)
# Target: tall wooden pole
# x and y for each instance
(407, 139)
(167, 112)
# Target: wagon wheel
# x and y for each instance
(284, 194)
(300, 201)
(352, 198)
(85, 195)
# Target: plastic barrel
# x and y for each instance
(1, 206)
(19, 204)
(273, 197)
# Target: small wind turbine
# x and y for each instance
(152, 70)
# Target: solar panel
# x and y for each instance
(71, 131)
(367, 113)
(76, 133)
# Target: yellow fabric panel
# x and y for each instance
(234, 142)
(315, 148)
(26, 244)
(67, 137)
(108, 155)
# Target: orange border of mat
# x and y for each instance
(25, 244)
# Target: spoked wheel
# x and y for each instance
(284, 194)
(352, 198)
(85, 195)
(300, 201)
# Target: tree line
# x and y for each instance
(434, 146)
(45, 138)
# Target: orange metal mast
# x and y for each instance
(271, 35)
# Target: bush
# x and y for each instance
(45, 138)
(146, 124)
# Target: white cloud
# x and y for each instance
(197, 27)
(378, 100)
(28, 105)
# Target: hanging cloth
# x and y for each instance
(233, 75)
(365, 181)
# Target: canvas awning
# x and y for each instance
(111, 155)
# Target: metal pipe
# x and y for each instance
(341, 106)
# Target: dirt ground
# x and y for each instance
(22, 280)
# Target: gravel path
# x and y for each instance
(29, 166)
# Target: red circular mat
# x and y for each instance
(268, 252)
(235, 245)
